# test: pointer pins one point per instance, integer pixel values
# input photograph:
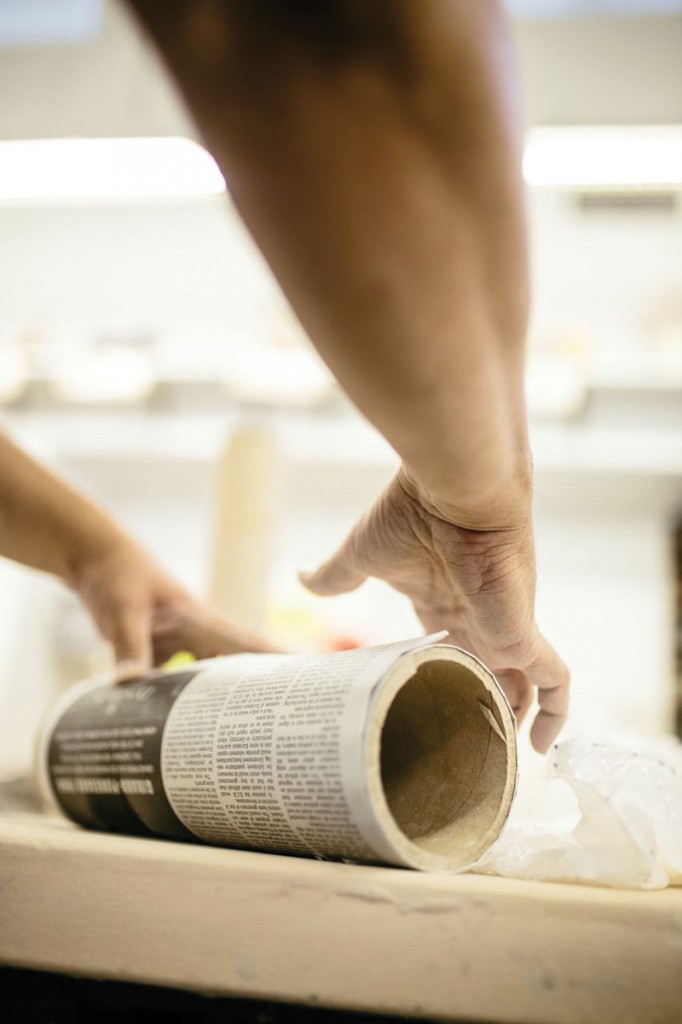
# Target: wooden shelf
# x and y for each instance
(374, 939)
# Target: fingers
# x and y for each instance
(552, 678)
(128, 631)
(517, 690)
(197, 628)
(337, 576)
(549, 674)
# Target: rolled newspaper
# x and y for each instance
(403, 754)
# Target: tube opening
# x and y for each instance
(444, 767)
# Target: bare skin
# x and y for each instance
(145, 614)
(373, 150)
(478, 585)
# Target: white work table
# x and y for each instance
(381, 940)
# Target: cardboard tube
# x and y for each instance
(402, 754)
(442, 776)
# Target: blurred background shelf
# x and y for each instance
(635, 443)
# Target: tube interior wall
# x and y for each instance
(443, 767)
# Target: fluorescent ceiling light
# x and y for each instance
(56, 170)
(76, 169)
(591, 8)
(619, 156)
(25, 23)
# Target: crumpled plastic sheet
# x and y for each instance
(601, 816)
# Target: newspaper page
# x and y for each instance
(248, 750)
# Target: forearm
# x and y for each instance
(44, 523)
(145, 614)
(377, 166)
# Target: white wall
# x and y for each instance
(189, 274)
(113, 86)
(603, 70)
(186, 273)
(607, 279)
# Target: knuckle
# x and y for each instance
(521, 650)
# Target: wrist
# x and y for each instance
(502, 504)
(467, 456)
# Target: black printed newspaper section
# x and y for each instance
(403, 754)
(105, 757)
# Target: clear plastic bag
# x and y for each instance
(602, 816)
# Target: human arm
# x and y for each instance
(374, 152)
(145, 614)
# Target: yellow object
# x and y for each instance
(179, 660)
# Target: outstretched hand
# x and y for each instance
(477, 584)
(147, 616)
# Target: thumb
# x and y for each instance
(129, 632)
(336, 576)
